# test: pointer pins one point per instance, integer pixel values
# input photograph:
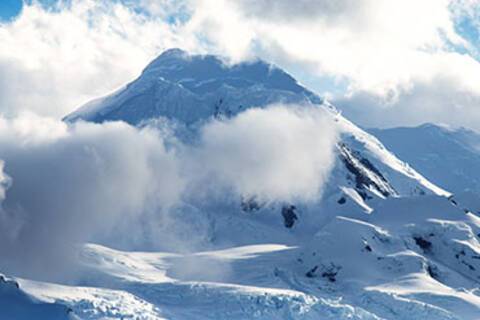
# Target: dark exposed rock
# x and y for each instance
(9, 282)
(289, 216)
(250, 204)
(419, 191)
(328, 272)
(342, 200)
(363, 195)
(452, 200)
(362, 170)
(472, 268)
(311, 272)
(331, 273)
(422, 243)
(433, 272)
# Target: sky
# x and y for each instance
(9, 9)
(383, 63)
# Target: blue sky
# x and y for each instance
(9, 9)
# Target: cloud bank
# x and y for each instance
(53, 60)
(404, 62)
(74, 184)
(137, 188)
(274, 154)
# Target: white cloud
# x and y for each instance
(279, 153)
(384, 49)
(445, 90)
(365, 41)
(80, 183)
(54, 60)
(138, 188)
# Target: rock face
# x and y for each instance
(364, 173)
(289, 216)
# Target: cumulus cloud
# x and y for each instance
(78, 183)
(62, 184)
(440, 93)
(365, 41)
(52, 61)
(387, 50)
(279, 153)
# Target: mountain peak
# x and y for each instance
(173, 52)
(191, 87)
(436, 126)
(166, 59)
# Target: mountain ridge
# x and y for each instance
(448, 156)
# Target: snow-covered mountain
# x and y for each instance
(446, 156)
(191, 88)
(194, 88)
(382, 242)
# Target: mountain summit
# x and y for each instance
(190, 88)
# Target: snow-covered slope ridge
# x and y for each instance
(15, 304)
(412, 258)
(190, 88)
(446, 156)
(193, 88)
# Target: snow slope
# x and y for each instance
(448, 157)
(191, 88)
(383, 241)
(18, 305)
(412, 258)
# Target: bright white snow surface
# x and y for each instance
(382, 241)
(413, 258)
